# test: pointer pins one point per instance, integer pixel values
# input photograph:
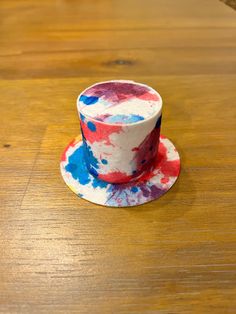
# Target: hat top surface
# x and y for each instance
(119, 102)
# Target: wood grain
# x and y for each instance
(61, 254)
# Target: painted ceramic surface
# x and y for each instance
(154, 183)
(119, 102)
(120, 124)
(120, 160)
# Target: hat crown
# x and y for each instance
(120, 124)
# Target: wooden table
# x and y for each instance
(61, 254)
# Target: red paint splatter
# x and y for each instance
(147, 175)
(115, 177)
(149, 96)
(165, 180)
(72, 144)
(168, 168)
(146, 151)
(116, 92)
(102, 133)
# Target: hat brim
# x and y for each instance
(150, 186)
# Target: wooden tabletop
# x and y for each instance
(62, 254)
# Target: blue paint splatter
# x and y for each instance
(134, 189)
(88, 100)
(93, 171)
(91, 126)
(77, 167)
(99, 183)
(104, 161)
(124, 119)
(158, 123)
(79, 171)
(90, 160)
(82, 117)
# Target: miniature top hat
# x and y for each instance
(122, 160)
